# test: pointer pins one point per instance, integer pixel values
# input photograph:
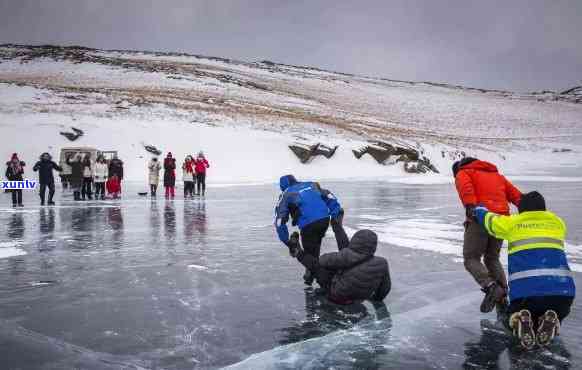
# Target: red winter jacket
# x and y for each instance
(479, 183)
(113, 185)
(201, 165)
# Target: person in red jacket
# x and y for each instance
(201, 164)
(480, 184)
(113, 186)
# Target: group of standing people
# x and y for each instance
(102, 175)
(193, 175)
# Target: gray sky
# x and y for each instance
(516, 45)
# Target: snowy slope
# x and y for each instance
(244, 115)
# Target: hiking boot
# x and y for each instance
(522, 325)
(549, 327)
(494, 293)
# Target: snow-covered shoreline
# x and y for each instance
(245, 115)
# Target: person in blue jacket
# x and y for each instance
(310, 208)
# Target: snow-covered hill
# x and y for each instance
(244, 115)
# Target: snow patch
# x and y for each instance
(9, 249)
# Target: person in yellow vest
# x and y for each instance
(541, 285)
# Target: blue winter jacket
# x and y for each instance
(305, 202)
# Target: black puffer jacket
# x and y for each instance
(45, 169)
(76, 179)
(360, 274)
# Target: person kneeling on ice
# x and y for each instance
(113, 187)
(310, 208)
(541, 287)
(351, 274)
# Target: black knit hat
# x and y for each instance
(458, 164)
(532, 201)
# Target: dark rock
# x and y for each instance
(78, 131)
(412, 159)
(307, 153)
(152, 149)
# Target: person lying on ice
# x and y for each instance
(541, 287)
(351, 274)
(310, 208)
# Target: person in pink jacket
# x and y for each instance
(200, 166)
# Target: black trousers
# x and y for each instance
(322, 275)
(16, 196)
(537, 306)
(188, 188)
(86, 188)
(201, 183)
(312, 236)
(51, 187)
(99, 190)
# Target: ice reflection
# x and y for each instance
(497, 349)
(323, 317)
(115, 222)
(47, 221)
(15, 227)
(170, 220)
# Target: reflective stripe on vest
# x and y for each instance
(535, 243)
(540, 272)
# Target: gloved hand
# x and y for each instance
(338, 216)
(480, 212)
(294, 245)
(470, 212)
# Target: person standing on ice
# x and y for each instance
(113, 187)
(310, 208)
(154, 168)
(169, 175)
(201, 164)
(14, 172)
(351, 274)
(86, 189)
(541, 285)
(76, 179)
(45, 167)
(116, 168)
(101, 172)
(188, 176)
(479, 183)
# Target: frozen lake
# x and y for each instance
(190, 284)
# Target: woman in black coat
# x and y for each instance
(169, 175)
(76, 181)
(14, 172)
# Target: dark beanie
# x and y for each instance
(458, 164)
(532, 201)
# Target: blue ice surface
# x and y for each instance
(204, 283)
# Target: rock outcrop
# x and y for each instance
(383, 153)
(306, 153)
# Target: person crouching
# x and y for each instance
(351, 274)
(541, 285)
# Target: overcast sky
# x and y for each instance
(516, 45)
